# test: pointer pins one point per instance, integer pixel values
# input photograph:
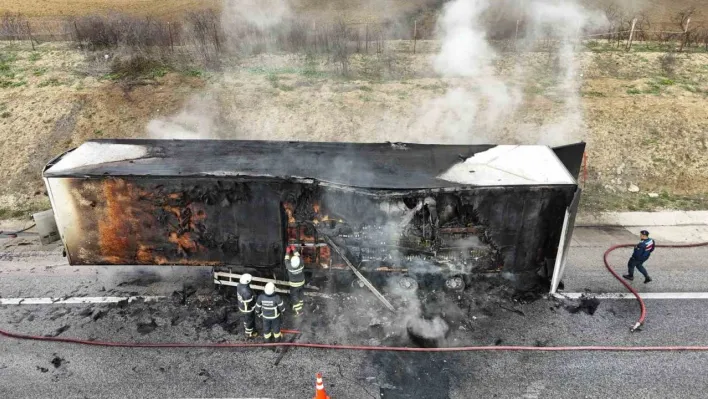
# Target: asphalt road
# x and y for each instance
(37, 370)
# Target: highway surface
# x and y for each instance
(30, 369)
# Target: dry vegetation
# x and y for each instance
(61, 8)
(645, 110)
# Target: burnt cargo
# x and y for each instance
(412, 209)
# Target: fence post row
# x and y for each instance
(415, 34)
(685, 35)
(631, 34)
(169, 29)
(29, 34)
(78, 36)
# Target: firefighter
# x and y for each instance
(296, 276)
(246, 305)
(269, 307)
(640, 255)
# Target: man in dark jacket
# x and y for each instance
(246, 305)
(269, 306)
(640, 255)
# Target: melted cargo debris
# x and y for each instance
(57, 361)
(147, 328)
(587, 305)
(141, 281)
(99, 314)
(58, 331)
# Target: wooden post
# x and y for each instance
(169, 29)
(29, 33)
(685, 35)
(516, 35)
(631, 34)
(78, 36)
(216, 37)
(367, 38)
(415, 33)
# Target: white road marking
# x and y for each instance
(629, 295)
(76, 300)
(100, 299)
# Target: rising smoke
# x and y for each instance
(477, 107)
(480, 103)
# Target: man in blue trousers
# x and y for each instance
(640, 255)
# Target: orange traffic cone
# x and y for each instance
(319, 389)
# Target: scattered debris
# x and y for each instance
(147, 328)
(284, 350)
(653, 195)
(517, 311)
(57, 361)
(205, 374)
(498, 341)
(633, 188)
(143, 281)
(587, 305)
(58, 331)
(427, 333)
(99, 314)
(42, 369)
(86, 312)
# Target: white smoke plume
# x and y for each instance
(479, 104)
(262, 14)
(195, 121)
(478, 98)
(566, 20)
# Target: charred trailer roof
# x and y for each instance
(232, 202)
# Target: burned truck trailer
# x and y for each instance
(420, 212)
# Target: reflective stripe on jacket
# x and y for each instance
(269, 306)
(245, 298)
(643, 249)
(295, 275)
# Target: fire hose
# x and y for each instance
(642, 306)
(589, 348)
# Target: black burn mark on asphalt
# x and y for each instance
(142, 281)
(58, 331)
(59, 314)
(99, 315)
(414, 375)
(57, 361)
(147, 328)
(587, 305)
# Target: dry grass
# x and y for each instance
(653, 137)
(60, 8)
(352, 11)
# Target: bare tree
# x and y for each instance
(13, 26)
(340, 47)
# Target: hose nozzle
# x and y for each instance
(636, 326)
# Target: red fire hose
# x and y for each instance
(395, 348)
(642, 306)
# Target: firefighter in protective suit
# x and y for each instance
(296, 276)
(246, 305)
(269, 307)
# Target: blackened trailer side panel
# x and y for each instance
(163, 221)
(524, 224)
